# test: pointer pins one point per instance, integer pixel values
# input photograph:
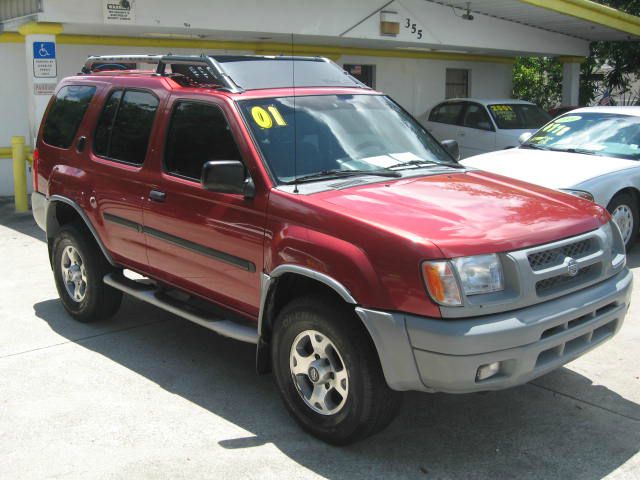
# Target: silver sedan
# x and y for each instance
(593, 153)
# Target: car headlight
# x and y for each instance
(614, 242)
(581, 194)
(477, 275)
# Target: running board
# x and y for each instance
(150, 294)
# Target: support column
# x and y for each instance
(42, 69)
(571, 80)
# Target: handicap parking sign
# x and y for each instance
(44, 50)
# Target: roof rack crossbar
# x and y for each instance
(163, 60)
(93, 59)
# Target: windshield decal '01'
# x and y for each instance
(263, 119)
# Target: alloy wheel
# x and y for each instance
(319, 373)
(74, 274)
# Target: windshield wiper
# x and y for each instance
(425, 163)
(575, 150)
(339, 173)
(533, 146)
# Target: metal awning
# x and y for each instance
(577, 18)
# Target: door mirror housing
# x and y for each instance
(524, 137)
(227, 176)
(451, 146)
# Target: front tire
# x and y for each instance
(328, 372)
(79, 268)
(624, 211)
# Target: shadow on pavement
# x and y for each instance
(526, 432)
(20, 222)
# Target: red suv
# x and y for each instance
(278, 201)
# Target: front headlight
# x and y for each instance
(581, 194)
(614, 242)
(477, 275)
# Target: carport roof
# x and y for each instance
(577, 18)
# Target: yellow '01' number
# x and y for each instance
(264, 120)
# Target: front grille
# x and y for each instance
(555, 256)
(561, 282)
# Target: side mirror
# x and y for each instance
(524, 137)
(227, 176)
(452, 147)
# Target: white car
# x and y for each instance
(481, 126)
(593, 153)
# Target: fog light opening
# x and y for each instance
(487, 371)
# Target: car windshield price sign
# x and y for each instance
(44, 60)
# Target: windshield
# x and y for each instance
(593, 133)
(518, 116)
(338, 133)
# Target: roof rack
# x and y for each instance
(201, 69)
(235, 73)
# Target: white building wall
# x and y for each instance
(14, 118)
(352, 20)
(419, 84)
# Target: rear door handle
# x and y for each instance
(82, 141)
(157, 196)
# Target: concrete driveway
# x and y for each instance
(148, 395)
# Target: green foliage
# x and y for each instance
(538, 80)
(622, 57)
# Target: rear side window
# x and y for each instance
(446, 113)
(65, 115)
(198, 133)
(125, 125)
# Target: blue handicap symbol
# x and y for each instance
(44, 50)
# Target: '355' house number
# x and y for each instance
(413, 28)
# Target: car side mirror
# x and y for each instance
(227, 176)
(451, 146)
(524, 137)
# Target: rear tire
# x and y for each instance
(79, 268)
(624, 210)
(357, 401)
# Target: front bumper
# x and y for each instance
(426, 354)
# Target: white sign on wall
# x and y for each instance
(44, 88)
(118, 11)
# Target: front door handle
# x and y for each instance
(157, 196)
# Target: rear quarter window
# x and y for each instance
(65, 115)
(447, 113)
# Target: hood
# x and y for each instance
(467, 213)
(514, 132)
(549, 169)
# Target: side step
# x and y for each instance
(149, 293)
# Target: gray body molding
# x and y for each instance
(42, 217)
(280, 270)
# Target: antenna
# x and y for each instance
(295, 131)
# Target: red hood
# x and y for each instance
(468, 213)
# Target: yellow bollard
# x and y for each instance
(19, 174)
